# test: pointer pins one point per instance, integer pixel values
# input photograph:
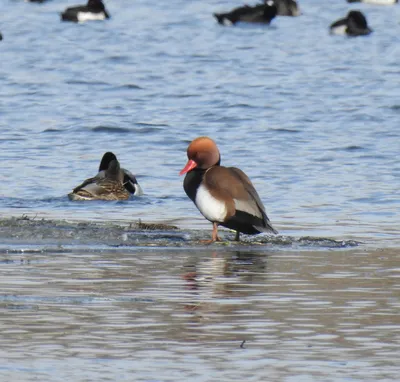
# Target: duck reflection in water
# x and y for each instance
(220, 276)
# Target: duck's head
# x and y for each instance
(357, 18)
(114, 171)
(95, 5)
(357, 23)
(106, 160)
(202, 153)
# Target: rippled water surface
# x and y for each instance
(312, 118)
(183, 315)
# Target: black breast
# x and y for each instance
(192, 182)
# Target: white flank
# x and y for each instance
(379, 2)
(89, 16)
(138, 190)
(339, 30)
(212, 209)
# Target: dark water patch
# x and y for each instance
(242, 106)
(395, 108)
(350, 148)
(86, 83)
(147, 124)
(341, 69)
(119, 59)
(12, 139)
(248, 47)
(110, 129)
(52, 130)
(374, 157)
(182, 95)
(376, 199)
(324, 159)
(283, 130)
(130, 87)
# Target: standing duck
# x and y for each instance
(110, 183)
(224, 195)
(93, 10)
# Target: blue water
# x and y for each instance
(311, 118)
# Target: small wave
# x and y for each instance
(243, 105)
(283, 130)
(110, 129)
(130, 86)
(350, 148)
(92, 83)
(119, 58)
(51, 130)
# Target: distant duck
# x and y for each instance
(354, 24)
(93, 10)
(375, 2)
(1, 37)
(287, 8)
(262, 13)
(111, 183)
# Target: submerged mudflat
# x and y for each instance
(44, 232)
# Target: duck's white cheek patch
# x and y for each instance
(211, 208)
(89, 16)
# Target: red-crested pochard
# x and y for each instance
(224, 195)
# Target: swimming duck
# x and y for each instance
(375, 2)
(354, 24)
(93, 10)
(262, 13)
(106, 185)
(287, 8)
(224, 195)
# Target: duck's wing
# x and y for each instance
(85, 183)
(234, 186)
(251, 191)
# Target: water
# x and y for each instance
(311, 118)
(117, 315)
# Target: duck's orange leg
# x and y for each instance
(215, 236)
